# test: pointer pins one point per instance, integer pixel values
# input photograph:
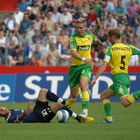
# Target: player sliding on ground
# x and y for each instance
(42, 112)
(118, 56)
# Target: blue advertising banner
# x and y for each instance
(28, 85)
(7, 87)
(25, 87)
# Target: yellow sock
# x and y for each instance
(70, 102)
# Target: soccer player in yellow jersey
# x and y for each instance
(118, 56)
(81, 64)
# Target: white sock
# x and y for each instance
(74, 115)
(60, 100)
(85, 111)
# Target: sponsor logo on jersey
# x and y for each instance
(83, 48)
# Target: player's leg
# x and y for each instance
(84, 83)
(74, 94)
(45, 94)
(74, 78)
(56, 106)
(130, 98)
(107, 104)
(136, 94)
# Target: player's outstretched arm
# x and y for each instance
(21, 116)
(100, 71)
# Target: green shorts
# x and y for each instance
(121, 83)
(76, 72)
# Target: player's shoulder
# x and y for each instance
(90, 34)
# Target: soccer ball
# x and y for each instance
(62, 116)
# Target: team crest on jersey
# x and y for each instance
(88, 38)
(71, 46)
(71, 39)
(120, 90)
(79, 41)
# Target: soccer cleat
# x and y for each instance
(70, 102)
(89, 120)
(106, 121)
(86, 118)
(83, 114)
(82, 119)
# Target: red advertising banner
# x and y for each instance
(51, 69)
(8, 5)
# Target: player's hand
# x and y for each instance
(89, 61)
(93, 82)
(26, 112)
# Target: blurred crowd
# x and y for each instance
(38, 31)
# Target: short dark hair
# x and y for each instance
(114, 32)
(80, 20)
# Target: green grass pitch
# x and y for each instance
(126, 125)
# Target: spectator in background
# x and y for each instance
(10, 22)
(85, 7)
(18, 15)
(70, 6)
(30, 13)
(25, 23)
(1, 61)
(12, 39)
(23, 5)
(20, 61)
(35, 62)
(120, 11)
(2, 39)
(3, 27)
(138, 30)
(43, 28)
(57, 29)
(37, 37)
(37, 21)
(66, 18)
(109, 6)
(48, 61)
(35, 8)
(132, 10)
(50, 21)
(63, 39)
(110, 22)
(37, 53)
(92, 16)
(53, 54)
(56, 15)
(78, 13)
(97, 8)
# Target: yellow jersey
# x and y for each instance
(118, 56)
(81, 44)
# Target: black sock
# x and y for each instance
(69, 111)
(52, 97)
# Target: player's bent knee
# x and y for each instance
(102, 97)
(56, 106)
(125, 102)
(44, 90)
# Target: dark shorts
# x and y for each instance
(43, 111)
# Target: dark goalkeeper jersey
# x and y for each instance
(30, 118)
(14, 113)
